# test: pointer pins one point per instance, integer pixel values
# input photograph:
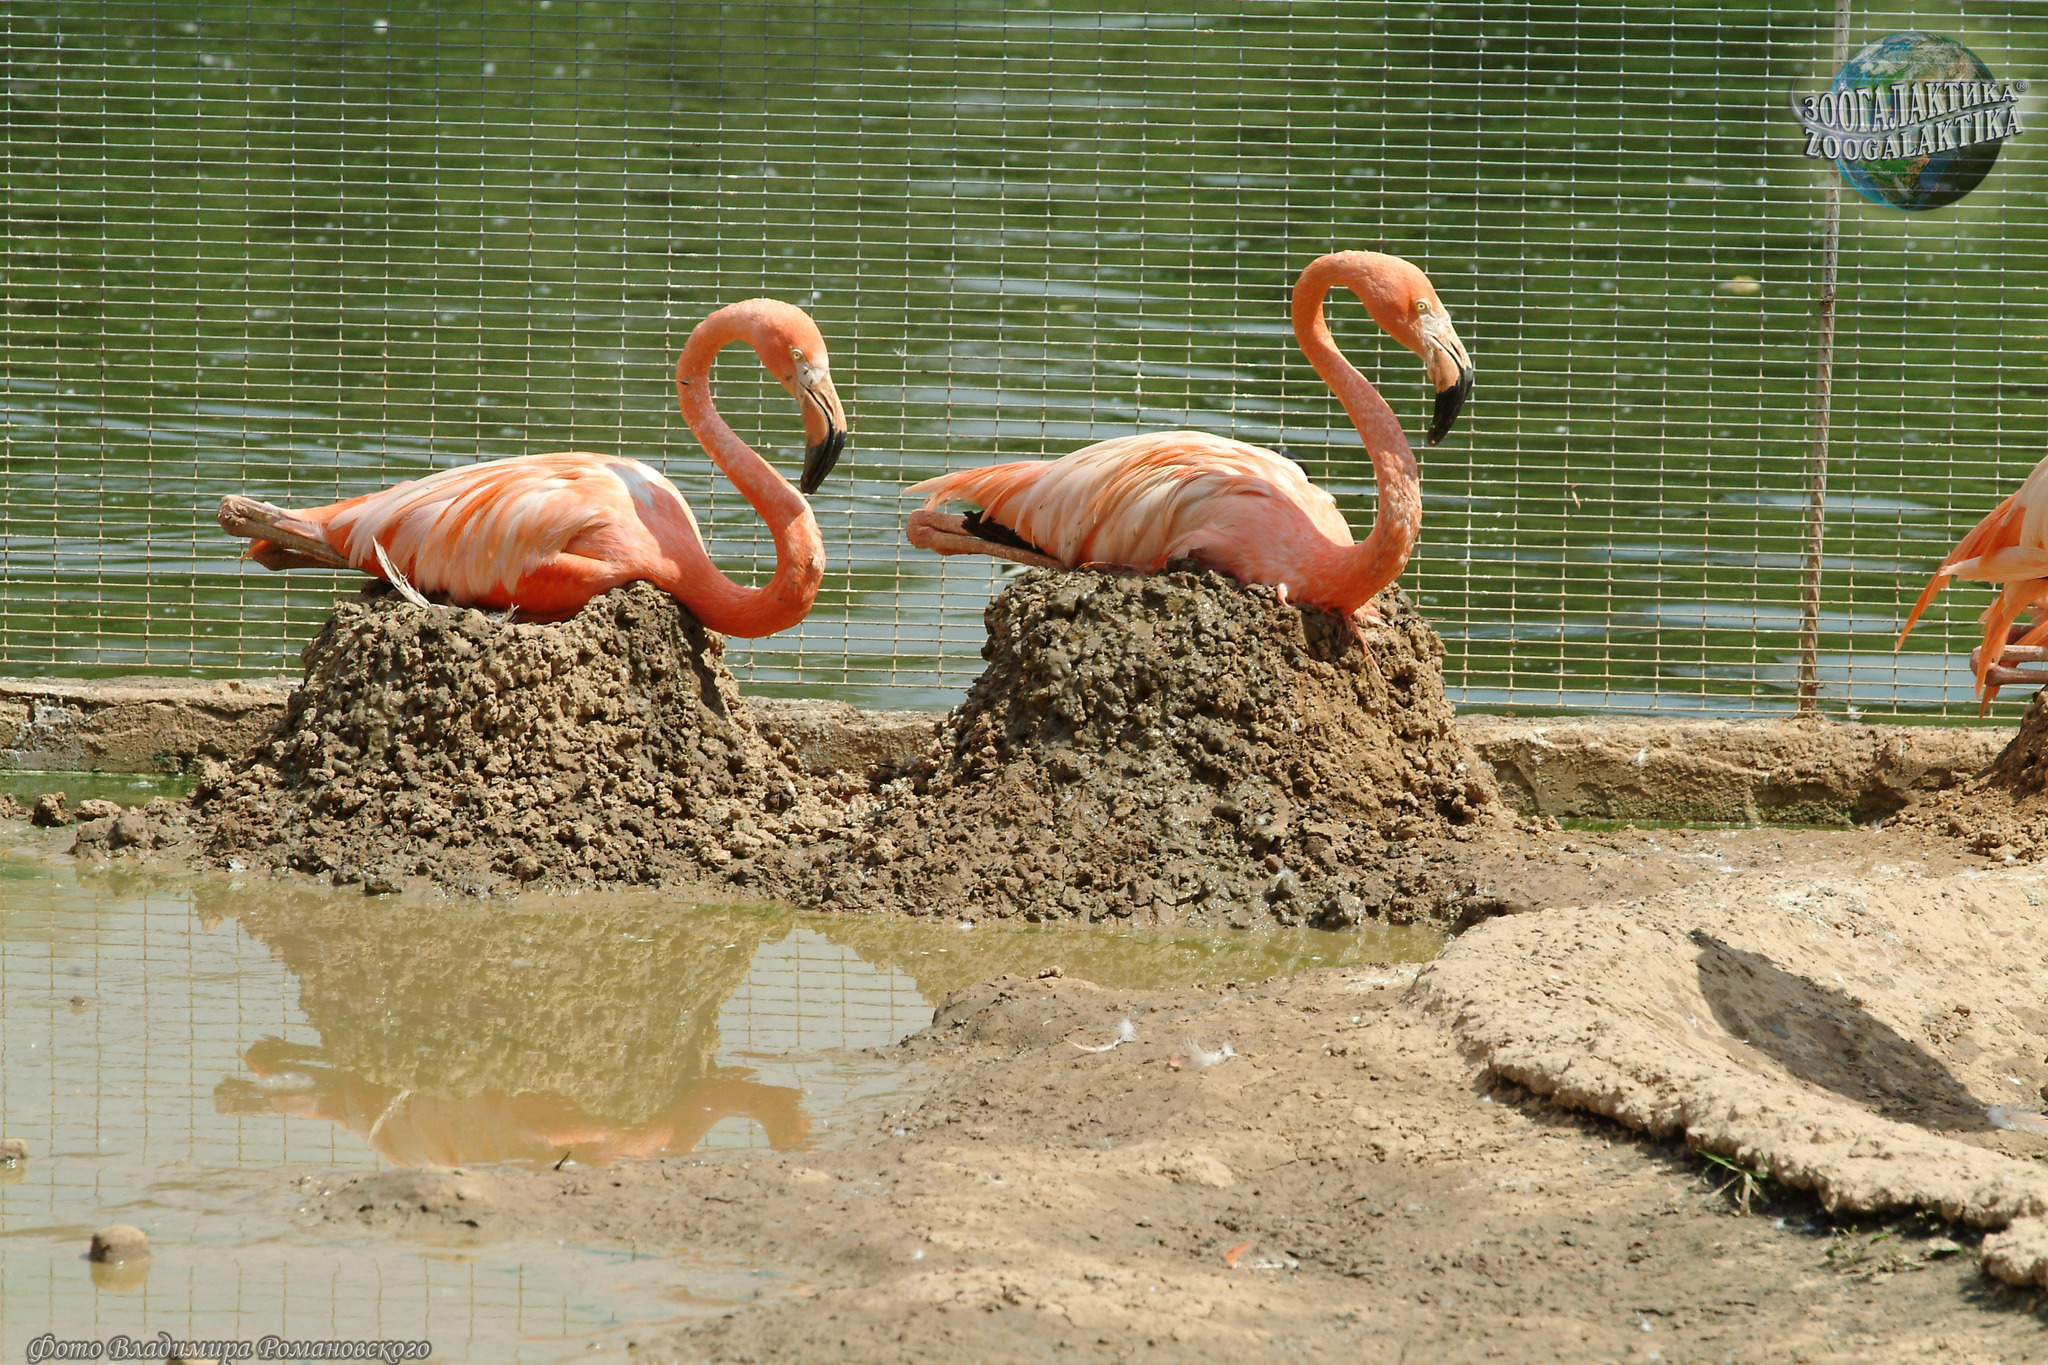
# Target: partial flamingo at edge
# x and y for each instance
(2009, 547)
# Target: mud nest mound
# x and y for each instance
(483, 756)
(2003, 811)
(1172, 747)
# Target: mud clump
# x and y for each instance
(2003, 811)
(485, 756)
(1172, 747)
(105, 827)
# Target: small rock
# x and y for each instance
(78, 1004)
(13, 1151)
(97, 809)
(131, 830)
(118, 1243)
(381, 883)
(1048, 973)
(1285, 887)
(10, 809)
(1341, 911)
(49, 811)
(93, 834)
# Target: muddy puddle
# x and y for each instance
(177, 1051)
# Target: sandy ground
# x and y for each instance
(1363, 1181)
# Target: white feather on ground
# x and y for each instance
(1194, 1057)
(1126, 1032)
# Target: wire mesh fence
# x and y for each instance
(304, 252)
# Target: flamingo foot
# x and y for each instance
(1358, 621)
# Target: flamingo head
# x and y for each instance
(1404, 303)
(825, 429)
(792, 348)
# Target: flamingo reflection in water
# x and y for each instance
(408, 1128)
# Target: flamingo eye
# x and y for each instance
(1422, 305)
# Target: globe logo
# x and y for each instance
(1913, 121)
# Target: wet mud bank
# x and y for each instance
(1174, 746)
(1612, 767)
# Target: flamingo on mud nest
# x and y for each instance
(2009, 547)
(1138, 501)
(544, 534)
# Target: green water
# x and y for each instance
(302, 252)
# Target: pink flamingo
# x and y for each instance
(2009, 547)
(1138, 501)
(544, 534)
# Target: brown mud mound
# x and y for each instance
(1877, 1043)
(2003, 811)
(613, 747)
(1175, 746)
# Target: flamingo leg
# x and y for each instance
(945, 533)
(2024, 644)
(2006, 671)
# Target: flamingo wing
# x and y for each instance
(1141, 500)
(480, 532)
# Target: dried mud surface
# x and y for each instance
(1880, 1043)
(480, 756)
(1173, 747)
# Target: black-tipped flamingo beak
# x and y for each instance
(1450, 370)
(1448, 404)
(825, 427)
(819, 459)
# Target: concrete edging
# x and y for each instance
(1603, 767)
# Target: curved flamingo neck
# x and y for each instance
(716, 600)
(1358, 572)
